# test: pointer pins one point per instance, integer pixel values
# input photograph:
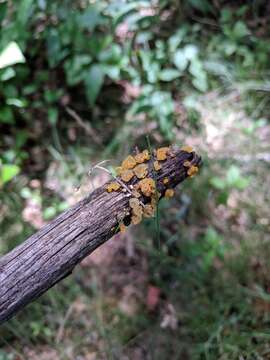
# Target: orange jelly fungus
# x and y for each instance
(157, 165)
(127, 175)
(118, 170)
(136, 219)
(141, 171)
(142, 157)
(113, 186)
(169, 193)
(133, 203)
(162, 153)
(187, 163)
(187, 148)
(122, 227)
(192, 170)
(147, 186)
(165, 181)
(128, 163)
(136, 194)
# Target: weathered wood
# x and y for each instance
(51, 254)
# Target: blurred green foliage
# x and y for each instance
(49, 49)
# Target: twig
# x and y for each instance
(87, 127)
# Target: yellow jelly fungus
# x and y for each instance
(128, 163)
(157, 165)
(137, 211)
(192, 170)
(187, 148)
(162, 153)
(187, 163)
(148, 211)
(169, 193)
(142, 157)
(136, 219)
(165, 181)
(127, 175)
(141, 171)
(133, 202)
(113, 186)
(136, 194)
(118, 170)
(122, 227)
(147, 186)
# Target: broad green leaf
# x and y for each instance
(3, 10)
(240, 29)
(180, 60)
(202, 5)
(16, 102)
(241, 183)
(7, 74)
(24, 11)
(218, 183)
(190, 51)
(93, 82)
(91, 18)
(6, 115)
(8, 172)
(233, 174)
(169, 74)
(200, 83)
(75, 68)
(53, 115)
(176, 39)
(11, 55)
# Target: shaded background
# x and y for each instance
(86, 81)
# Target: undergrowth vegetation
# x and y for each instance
(86, 81)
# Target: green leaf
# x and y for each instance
(75, 68)
(93, 82)
(233, 174)
(218, 183)
(180, 60)
(11, 55)
(3, 10)
(190, 51)
(241, 183)
(176, 39)
(169, 74)
(7, 74)
(202, 5)
(240, 29)
(16, 102)
(6, 115)
(8, 172)
(91, 18)
(53, 115)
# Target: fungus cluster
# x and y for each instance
(143, 194)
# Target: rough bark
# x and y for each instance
(52, 253)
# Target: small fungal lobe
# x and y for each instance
(187, 148)
(169, 193)
(142, 157)
(128, 163)
(192, 171)
(162, 153)
(127, 175)
(157, 165)
(141, 171)
(113, 187)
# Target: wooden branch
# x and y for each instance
(52, 253)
